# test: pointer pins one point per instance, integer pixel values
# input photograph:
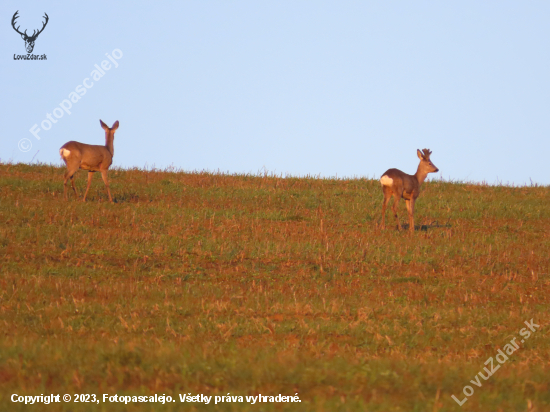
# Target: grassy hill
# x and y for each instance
(201, 283)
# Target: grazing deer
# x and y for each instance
(401, 185)
(93, 158)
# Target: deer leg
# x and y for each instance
(408, 202)
(90, 174)
(387, 197)
(410, 210)
(65, 178)
(73, 185)
(104, 176)
(69, 175)
(397, 198)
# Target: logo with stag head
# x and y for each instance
(29, 40)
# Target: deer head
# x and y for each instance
(29, 40)
(426, 164)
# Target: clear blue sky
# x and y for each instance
(347, 88)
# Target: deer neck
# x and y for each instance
(109, 143)
(420, 174)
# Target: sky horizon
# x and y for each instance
(332, 89)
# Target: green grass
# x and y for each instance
(211, 284)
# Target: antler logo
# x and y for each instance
(29, 40)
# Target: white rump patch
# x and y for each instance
(386, 181)
(64, 153)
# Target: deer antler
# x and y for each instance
(34, 33)
(44, 25)
(427, 153)
(15, 16)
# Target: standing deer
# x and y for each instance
(93, 158)
(401, 185)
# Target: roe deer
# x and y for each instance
(401, 185)
(93, 158)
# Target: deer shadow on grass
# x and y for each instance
(131, 198)
(433, 225)
(119, 198)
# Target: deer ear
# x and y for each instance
(105, 127)
(419, 154)
(115, 126)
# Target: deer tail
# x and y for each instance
(64, 153)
